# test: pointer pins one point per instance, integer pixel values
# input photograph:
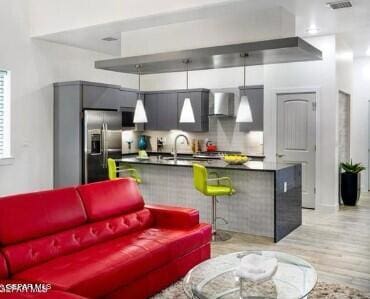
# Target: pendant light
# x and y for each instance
(244, 114)
(140, 114)
(187, 113)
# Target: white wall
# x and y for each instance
(359, 115)
(310, 75)
(35, 65)
(344, 66)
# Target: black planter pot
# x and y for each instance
(350, 188)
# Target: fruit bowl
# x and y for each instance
(235, 159)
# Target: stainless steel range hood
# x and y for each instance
(221, 104)
(282, 50)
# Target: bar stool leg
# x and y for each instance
(217, 235)
(214, 215)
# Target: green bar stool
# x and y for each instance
(113, 170)
(201, 183)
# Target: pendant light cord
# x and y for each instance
(244, 55)
(245, 58)
(187, 62)
(138, 67)
(187, 76)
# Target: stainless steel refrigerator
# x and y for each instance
(102, 140)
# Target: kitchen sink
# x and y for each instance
(184, 159)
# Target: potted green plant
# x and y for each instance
(350, 186)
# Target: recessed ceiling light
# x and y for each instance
(109, 39)
(313, 30)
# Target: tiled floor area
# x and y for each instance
(338, 245)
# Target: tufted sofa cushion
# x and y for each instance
(33, 215)
(118, 262)
(114, 264)
(110, 198)
(24, 255)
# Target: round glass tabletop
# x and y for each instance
(216, 279)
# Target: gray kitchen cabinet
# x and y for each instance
(129, 98)
(199, 102)
(167, 111)
(255, 96)
(68, 134)
(70, 101)
(161, 110)
(151, 109)
(105, 96)
(101, 97)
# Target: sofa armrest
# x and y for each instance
(177, 217)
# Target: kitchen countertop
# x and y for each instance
(252, 156)
(249, 166)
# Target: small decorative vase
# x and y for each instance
(142, 144)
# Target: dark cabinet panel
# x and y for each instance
(151, 109)
(99, 97)
(161, 110)
(106, 97)
(167, 111)
(199, 101)
(129, 98)
(255, 96)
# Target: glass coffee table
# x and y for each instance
(215, 279)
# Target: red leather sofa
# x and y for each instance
(98, 241)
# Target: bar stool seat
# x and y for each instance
(113, 170)
(220, 190)
(207, 187)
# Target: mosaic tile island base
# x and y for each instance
(267, 201)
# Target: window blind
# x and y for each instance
(3, 75)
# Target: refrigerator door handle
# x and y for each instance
(102, 150)
(105, 155)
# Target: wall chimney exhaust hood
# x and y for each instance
(291, 49)
(221, 104)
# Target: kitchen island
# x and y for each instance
(267, 201)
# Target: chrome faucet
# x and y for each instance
(175, 146)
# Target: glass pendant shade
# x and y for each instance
(244, 112)
(140, 114)
(187, 114)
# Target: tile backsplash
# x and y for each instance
(224, 132)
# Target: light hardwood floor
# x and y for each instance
(337, 245)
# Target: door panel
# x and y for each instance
(99, 97)
(295, 125)
(167, 111)
(296, 138)
(151, 109)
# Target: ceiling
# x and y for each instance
(350, 24)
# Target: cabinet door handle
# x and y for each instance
(280, 155)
